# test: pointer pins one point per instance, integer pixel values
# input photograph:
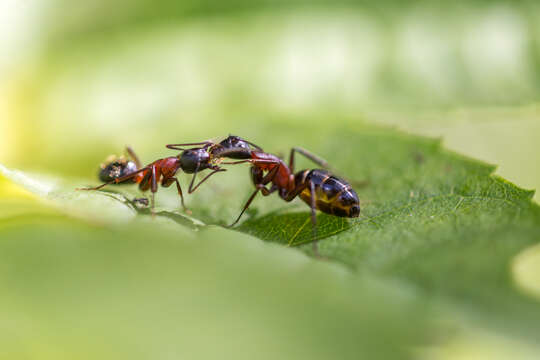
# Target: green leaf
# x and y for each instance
(73, 289)
(443, 262)
(431, 220)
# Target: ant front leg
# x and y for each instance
(259, 187)
(98, 187)
(192, 188)
(166, 182)
(180, 146)
(116, 181)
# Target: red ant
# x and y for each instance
(191, 161)
(318, 188)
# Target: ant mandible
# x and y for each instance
(317, 187)
(191, 161)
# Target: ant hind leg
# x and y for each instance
(154, 188)
(308, 154)
(314, 222)
(181, 146)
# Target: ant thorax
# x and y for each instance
(193, 160)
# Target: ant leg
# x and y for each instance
(193, 178)
(246, 206)
(265, 192)
(262, 185)
(98, 187)
(294, 193)
(166, 182)
(179, 188)
(237, 162)
(314, 221)
(179, 146)
(317, 160)
(252, 161)
(153, 189)
(254, 145)
(117, 180)
(133, 156)
(193, 188)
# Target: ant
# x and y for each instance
(191, 161)
(115, 167)
(318, 188)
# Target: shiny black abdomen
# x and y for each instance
(333, 195)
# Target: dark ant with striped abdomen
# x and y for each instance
(191, 161)
(318, 188)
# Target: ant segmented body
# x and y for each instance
(318, 188)
(191, 161)
(148, 177)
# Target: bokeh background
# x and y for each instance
(80, 80)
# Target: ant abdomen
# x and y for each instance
(332, 195)
(115, 169)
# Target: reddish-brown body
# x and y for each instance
(284, 178)
(163, 170)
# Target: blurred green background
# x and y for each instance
(79, 81)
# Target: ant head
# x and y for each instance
(235, 147)
(192, 160)
(233, 141)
